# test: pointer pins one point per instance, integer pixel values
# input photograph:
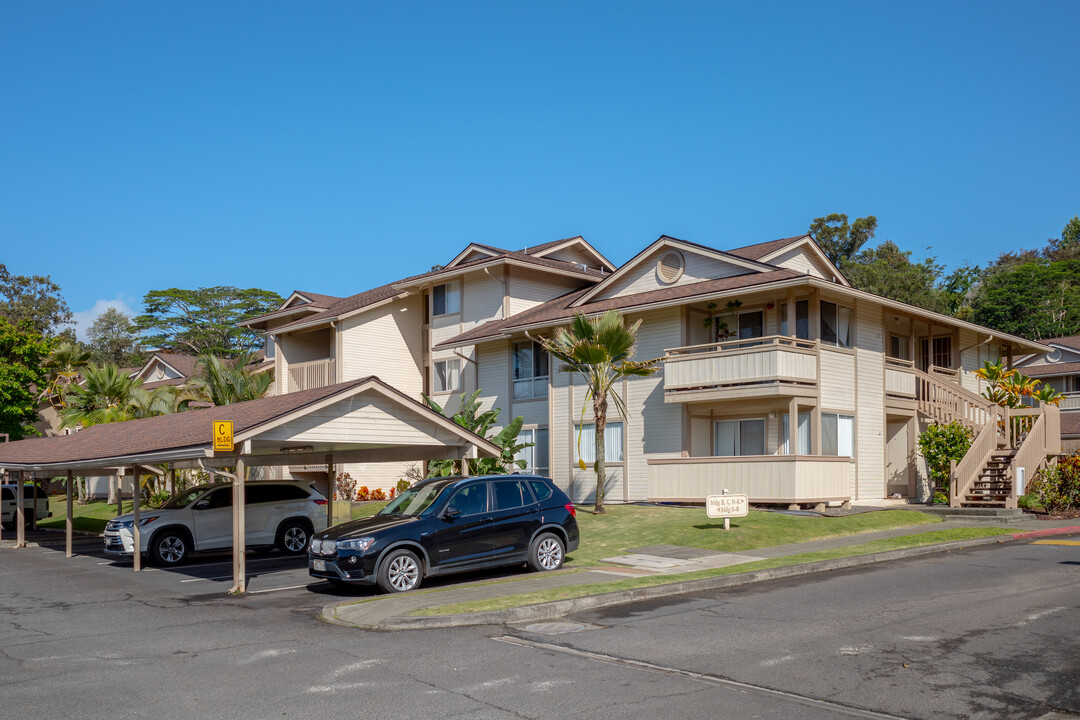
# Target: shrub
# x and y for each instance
(378, 494)
(363, 493)
(403, 485)
(160, 498)
(346, 486)
(939, 445)
(1057, 487)
(392, 493)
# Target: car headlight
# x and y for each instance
(147, 520)
(316, 546)
(356, 543)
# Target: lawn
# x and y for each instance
(624, 527)
(90, 517)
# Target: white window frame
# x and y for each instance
(531, 386)
(452, 379)
(845, 434)
(613, 442)
(737, 436)
(451, 298)
(805, 436)
(539, 451)
(843, 326)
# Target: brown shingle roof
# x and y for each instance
(385, 292)
(184, 364)
(318, 299)
(166, 432)
(760, 250)
(1069, 341)
(1070, 424)
(1050, 369)
(561, 308)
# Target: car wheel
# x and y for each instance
(170, 547)
(399, 572)
(546, 553)
(293, 537)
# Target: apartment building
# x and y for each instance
(778, 379)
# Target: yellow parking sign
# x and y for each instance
(223, 436)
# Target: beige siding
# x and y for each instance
(377, 420)
(528, 289)
(643, 278)
(574, 255)
(385, 342)
(654, 427)
(493, 376)
(870, 415)
(801, 261)
(837, 370)
(481, 299)
(582, 488)
(297, 348)
(969, 360)
(784, 479)
(562, 430)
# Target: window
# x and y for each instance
(530, 363)
(510, 494)
(220, 498)
(613, 443)
(445, 299)
(751, 325)
(835, 324)
(805, 447)
(802, 319)
(541, 490)
(470, 500)
(535, 457)
(447, 375)
(942, 356)
(837, 434)
(739, 437)
(271, 347)
(898, 347)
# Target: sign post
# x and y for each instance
(223, 436)
(727, 506)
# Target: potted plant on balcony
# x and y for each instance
(714, 323)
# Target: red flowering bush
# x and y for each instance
(378, 494)
(363, 493)
(1057, 487)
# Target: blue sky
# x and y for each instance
(337, 146)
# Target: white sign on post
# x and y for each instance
(727, 506)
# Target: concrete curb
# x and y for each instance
(1046, 532)
(560, 608)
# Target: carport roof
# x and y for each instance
(188, 435)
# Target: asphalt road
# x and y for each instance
(985, 633)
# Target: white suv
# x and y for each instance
(8, 509)
(278, 513)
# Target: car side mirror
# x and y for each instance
(451, 513)
(202, 505)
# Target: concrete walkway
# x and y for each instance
(393, 611)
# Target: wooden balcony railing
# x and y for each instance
(312, 374)
(732, 364)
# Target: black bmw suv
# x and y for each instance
(446, 525)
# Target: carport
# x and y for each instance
(363, 420)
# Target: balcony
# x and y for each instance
(312, 374)
(900, 379)
(772, 365)
(763, 478)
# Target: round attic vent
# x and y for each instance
(670, 267)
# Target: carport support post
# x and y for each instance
(20, 516)
(68, 514)
(136, 534)
(120, 492)
(33, 512)
(329, 490)
(172, 481)
(239, 529)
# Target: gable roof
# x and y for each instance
(668, 241)
(564, 307)
(760, 250)
(544, 249)
(183, 364)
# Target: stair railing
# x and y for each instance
(945, 401)
(1035, 443)
(963, 475)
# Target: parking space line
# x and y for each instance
(1056, 542)
(291, 587)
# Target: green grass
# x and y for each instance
(624, 527)
(575, 591)
(366, 509)
(90, 517)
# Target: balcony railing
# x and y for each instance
(764, 478)
(716, 370)
(312, 374)
(900, 378)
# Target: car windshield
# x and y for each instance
(183, 499)
(414, 501)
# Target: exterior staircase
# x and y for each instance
(994, 484)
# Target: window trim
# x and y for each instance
(536, 469)
(435, 376)
(456, 285)
(738, 435)
(532, 380)
(621, 446)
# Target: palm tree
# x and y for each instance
(600, 350)
(103, 397)
(224, 382)
(63, 367)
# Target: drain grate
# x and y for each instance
(555, 628)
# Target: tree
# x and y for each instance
(887, 270)
(839, 240)
(113, 339)
(35, 299)
(224, 382)
(62, 368)
(470, 417)
(941, 444)
(600, 350)
(22, 352)
(1035, 299)
(204, 320)
(103, 397)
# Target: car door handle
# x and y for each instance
(488, 519)
(534, 510)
